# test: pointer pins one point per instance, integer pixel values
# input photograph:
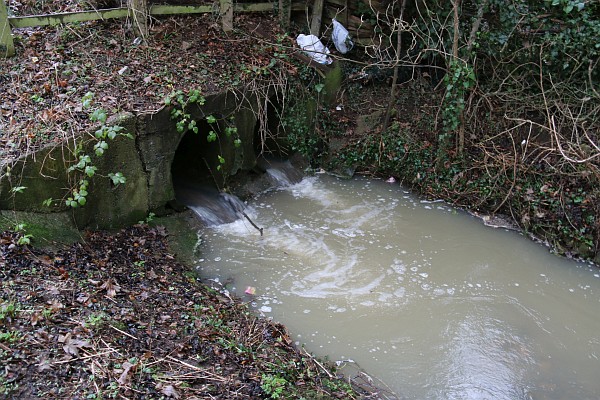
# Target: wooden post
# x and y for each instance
(285, 13)
(227, 15)
(139, 13)
(7, 46)
(315, 25)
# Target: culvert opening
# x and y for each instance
(191, 160)
(196, 178)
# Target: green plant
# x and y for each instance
(117, 178)
(180, 102)
(148, 219)
(95, 320)
(273, 385)
(85, 164)
(18, 189)
(8, 310)
(6, 387)
(24, 237)
(10, 337)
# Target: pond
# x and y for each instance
(420, 295)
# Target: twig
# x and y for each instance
(124, 333)
(252, 222)
(84, 357)
(318, 363)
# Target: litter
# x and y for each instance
(313, 47)
(340, 38)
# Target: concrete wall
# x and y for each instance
(145, 161)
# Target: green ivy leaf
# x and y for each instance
(117, 178)
(99, 115)
(18, 189)
(90, 170)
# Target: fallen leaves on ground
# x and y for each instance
(118, 317)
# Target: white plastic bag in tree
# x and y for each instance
(314, 48)
(340, 38)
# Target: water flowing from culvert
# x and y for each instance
(420, 295)
(211, 206)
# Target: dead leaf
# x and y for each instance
(53, 290)
(35, 317)
(111, 286)
(44, 363)
(55, 305)
(72, 346)
(82, 298)
(127, 366)
(170, 391)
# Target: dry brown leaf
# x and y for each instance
(72, 346)
(111, 286)
(170, 391)
(124, 378)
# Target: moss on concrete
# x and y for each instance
(49, 230)
(183, 235)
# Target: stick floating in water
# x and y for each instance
(253, 224)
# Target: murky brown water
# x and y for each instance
(420, 295)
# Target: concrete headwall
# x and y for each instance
(146, 161)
